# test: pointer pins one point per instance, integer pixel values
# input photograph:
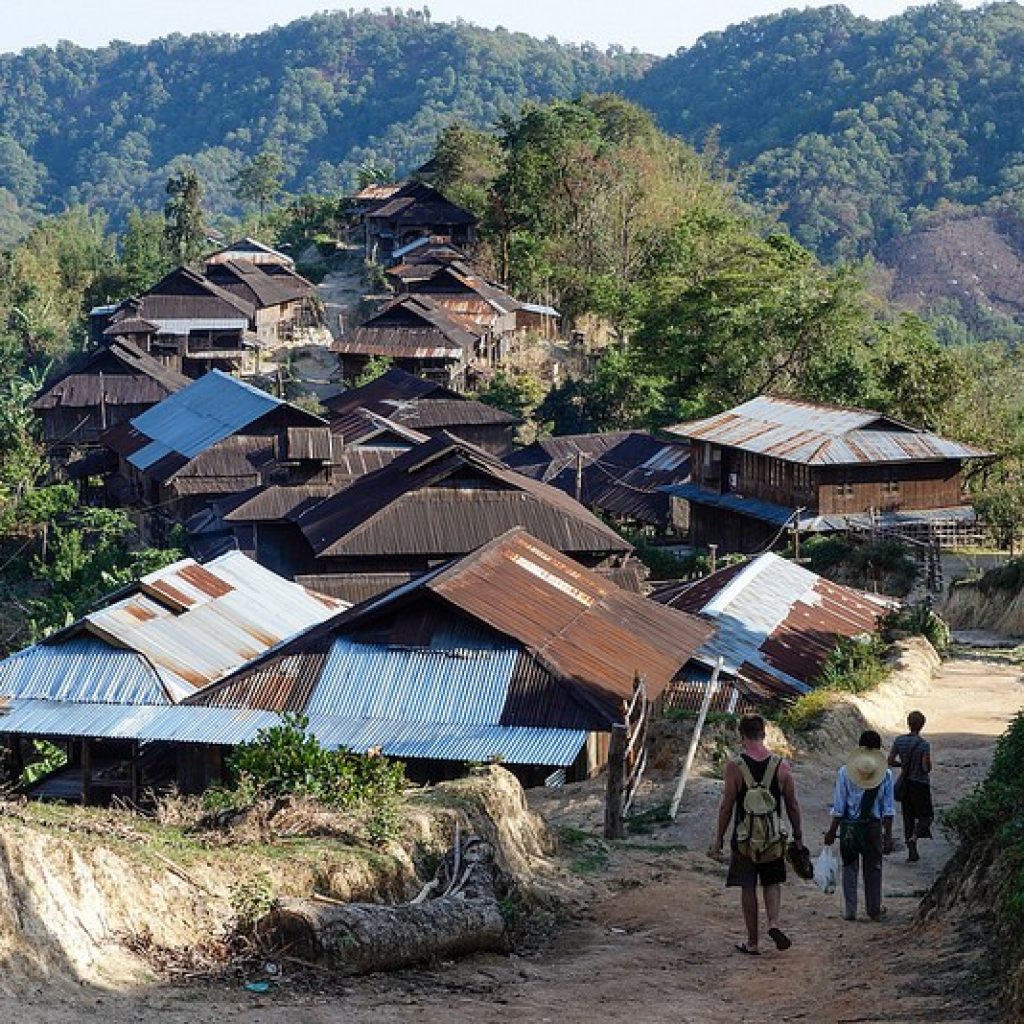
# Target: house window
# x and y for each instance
(844, 490)
(891, 484)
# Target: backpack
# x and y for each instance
(854, 840)
(759, 834)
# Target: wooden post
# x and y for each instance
(86, 771)
(613, 822)
(135, 774)
(677, 796)
(712, 557)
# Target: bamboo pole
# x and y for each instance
(673, 807)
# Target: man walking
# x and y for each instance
(862, 813)
(757, 846)
(913, 754)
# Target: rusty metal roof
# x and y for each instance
(777, 621)
(444, 498)
(818, 435)
(195, 623)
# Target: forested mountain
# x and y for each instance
(866, 138)
(850, 127)
(329, 93)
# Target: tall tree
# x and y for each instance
(184, 224)
(144, 256)
(259, 180)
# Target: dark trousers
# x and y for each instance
(917, 811)
(870, 864)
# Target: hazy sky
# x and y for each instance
(655, 26)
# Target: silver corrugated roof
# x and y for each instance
(84, 669)
(772, 597)
(227, 727)
(820, 435)
(465, 682)
(193, 623)
(197, 417)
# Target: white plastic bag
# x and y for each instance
(826, 870)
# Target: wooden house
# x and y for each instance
(105, 387)
(513, 652)
(425, 406)
(192, 324)
(773, 464)
(219, 436)
(439, 500)
(418, 336)
(414, 210)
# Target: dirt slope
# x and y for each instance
(647, 935)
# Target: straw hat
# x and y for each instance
(866, 767)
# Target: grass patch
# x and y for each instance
(589, 854)
(647, 821)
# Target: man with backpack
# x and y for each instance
(862, 813)
(757, 784)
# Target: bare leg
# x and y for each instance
(748, 899)
(773, 904)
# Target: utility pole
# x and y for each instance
(796, 534)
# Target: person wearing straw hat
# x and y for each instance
(862, 814)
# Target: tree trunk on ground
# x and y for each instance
(360, 938)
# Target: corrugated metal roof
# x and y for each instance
(84, 669)
(777, 621)
(197, 417)
(228, 727)
(819, 435)
(444, 498)
(194, 624)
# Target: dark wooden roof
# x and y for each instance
(117, 373)
(252, 284)
(417, 204)
(445, 497)
(621, 473)
(185, 295)
(409, 401)
(411, 327)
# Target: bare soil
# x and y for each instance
(646, 928)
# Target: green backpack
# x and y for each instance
(759, 833)
(853, 832)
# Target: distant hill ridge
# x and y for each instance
(852, 130)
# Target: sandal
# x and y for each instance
(780, 938)
(742, 947)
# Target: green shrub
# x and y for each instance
(286, 760)
(917, 620)
(855, 665)
(807, 710)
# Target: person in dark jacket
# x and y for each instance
(912, 754)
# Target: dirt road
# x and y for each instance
(648, 936)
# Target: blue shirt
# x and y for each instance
(847, 797)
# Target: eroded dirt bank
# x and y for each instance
(647, 928)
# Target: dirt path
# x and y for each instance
(649, 930)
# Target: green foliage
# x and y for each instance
(804, 713)
(886, 566)
(375, 366)
(252, 899)
(285, 759)
(856, 665)
(916, 620)
(994, 811)
(259, 180)
(515, 393)
(184, 223)
(49, 758)
(1001, 508)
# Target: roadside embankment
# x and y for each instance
(80, 889)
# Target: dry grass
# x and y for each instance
(1002, 612)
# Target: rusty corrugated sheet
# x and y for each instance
(310, 443)
(819, 435)
(778, 622)
(578, 625)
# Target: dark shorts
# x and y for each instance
(745, 874)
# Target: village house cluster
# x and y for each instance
(396, 569)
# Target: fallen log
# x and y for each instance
(360, 938)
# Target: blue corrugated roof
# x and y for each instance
(197, 417)
(228, 726)
(465, 683)
(84, 669)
